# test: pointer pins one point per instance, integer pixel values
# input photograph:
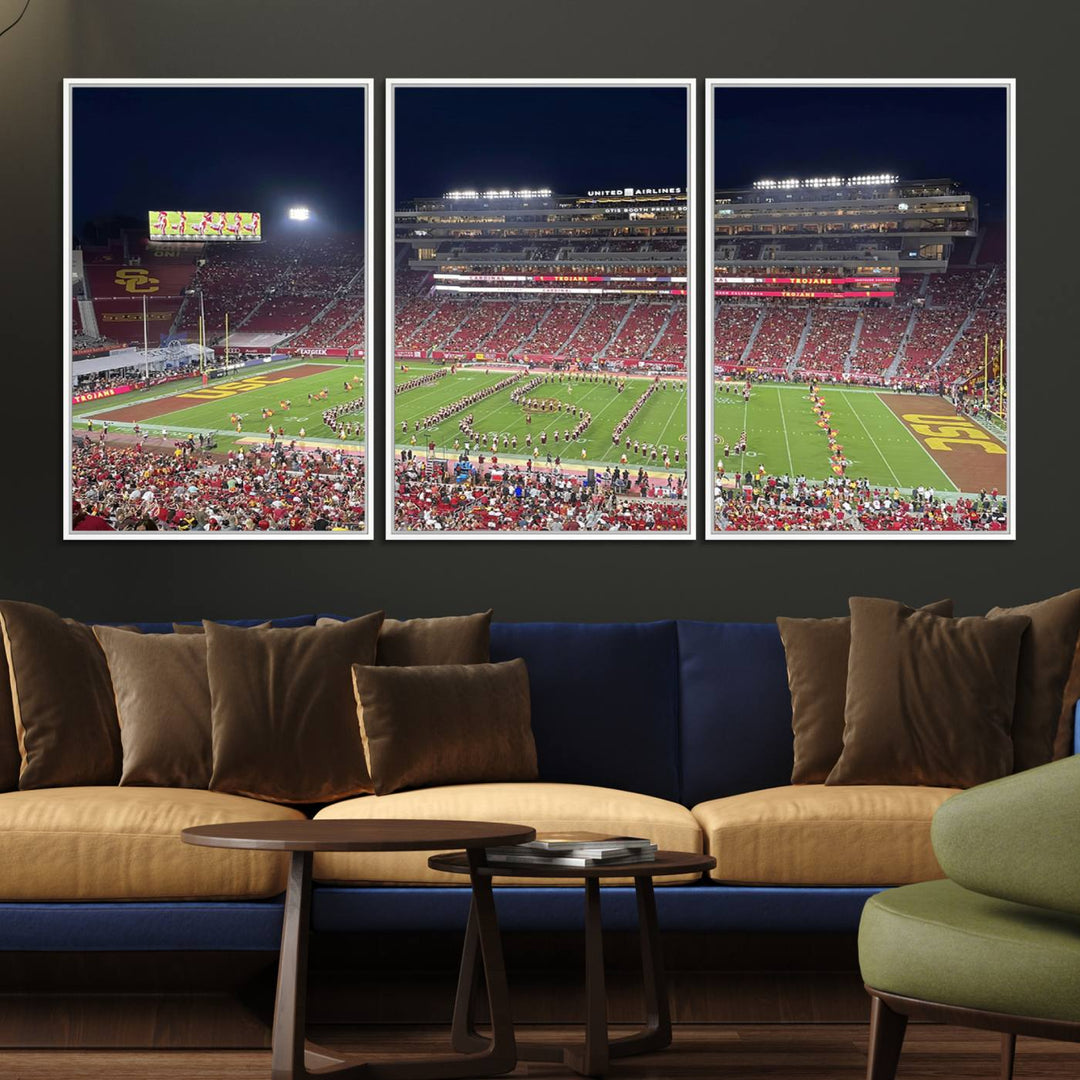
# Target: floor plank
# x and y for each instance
(700, 1052)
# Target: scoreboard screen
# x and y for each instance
(235, 225)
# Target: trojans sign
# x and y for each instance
(231, 389)
(947, 432)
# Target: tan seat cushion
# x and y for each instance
(546, 807)
(810, 834)
(123, 843)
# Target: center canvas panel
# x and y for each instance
(539, 308)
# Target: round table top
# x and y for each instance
(375, 834)
(666, 862)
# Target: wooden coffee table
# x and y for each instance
(592, 1057)
(294, 1059)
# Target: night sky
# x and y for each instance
(136, 149)
(917, 133)
(568, 139)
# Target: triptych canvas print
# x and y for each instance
(563, 300)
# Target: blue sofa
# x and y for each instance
(681, 711)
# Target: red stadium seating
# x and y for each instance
(558, 324)
(882, 331)
(596, 330)
(471, 335)
(829, 341)
(732, 327)
(639, 332)
(778, 337)
(673, 345)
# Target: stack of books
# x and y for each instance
(575, 849)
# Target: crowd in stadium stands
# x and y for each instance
(341, 327)
(260, 490)
(978, 343)
(782, 504)
(829, 340)
(133, 377)
(673, 345)
(882, 331)
(639, 331)
(289, 283)
(86, 341)
(596, 329)
(553, 332)
(778, 336)
(518, 326)
(934, 329)
(474, 497)
(478, 325)
(732, 326)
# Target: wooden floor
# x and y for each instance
(700, 1052)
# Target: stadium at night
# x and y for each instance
(860, 355)
(541, 344)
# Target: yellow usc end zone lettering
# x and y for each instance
(945, 432)
(231, 389)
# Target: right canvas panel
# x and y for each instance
(860, 255)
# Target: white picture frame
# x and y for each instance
(690, 85)
(367, 86)
(708, 467)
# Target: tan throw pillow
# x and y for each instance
(163, 703)
(65, 716)
(445, 724)
(816, 651)
(929, 700)
(453, 639)
(282, 710)
(197, 628)
(1046, 658)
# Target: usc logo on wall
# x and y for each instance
(136, 279)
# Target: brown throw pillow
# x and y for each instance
(163, 703)
(61, 693)
(1065, 738)
(1046, 658)
(9, 739)
(282, 710)
(929, 700)
(454, 639)
(197, 628)
(817, 661)
(445, 724)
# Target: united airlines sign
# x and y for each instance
(630, 191)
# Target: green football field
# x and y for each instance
(662, 421)
(782, 434)
(212, 416)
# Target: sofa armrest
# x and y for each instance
(1017, 838)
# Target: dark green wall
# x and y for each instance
(524, 580)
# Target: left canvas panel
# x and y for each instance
(216, 309)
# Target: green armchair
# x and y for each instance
(997, 944)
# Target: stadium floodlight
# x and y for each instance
(825, 181)
(500, 193)
(299, 213)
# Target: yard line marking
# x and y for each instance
(787, 441)
(872, 440)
